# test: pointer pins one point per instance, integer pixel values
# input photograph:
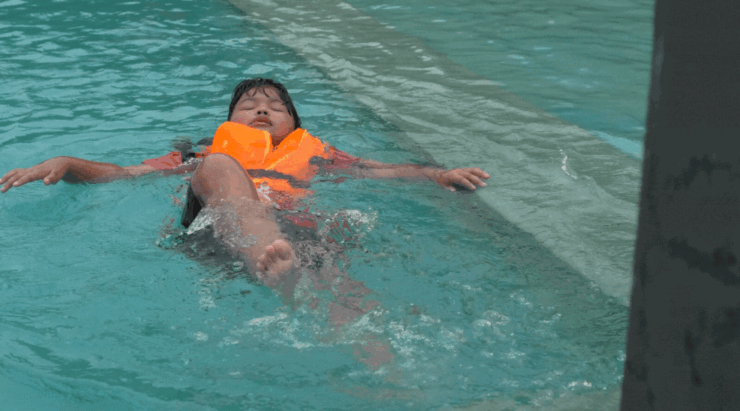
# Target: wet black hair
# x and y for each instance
(259, 83)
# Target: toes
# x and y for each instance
(282, 250)
(275, 255)
(263, 262)
(266, 260)
(272, 251)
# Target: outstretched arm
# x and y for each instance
(71, 170)
(468, 178)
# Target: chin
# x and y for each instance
(263, 128)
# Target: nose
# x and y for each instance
(263, 108)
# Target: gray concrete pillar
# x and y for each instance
(683, 343)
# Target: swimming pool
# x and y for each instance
(475, 306)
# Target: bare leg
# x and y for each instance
(247, 227)
(242, 222)
(348, 304)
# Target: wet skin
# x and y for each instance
(264, 110)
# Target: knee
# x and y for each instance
(219, 161)
(219, 175)
(219, 166)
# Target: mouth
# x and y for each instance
(260, 122)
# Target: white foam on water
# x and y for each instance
(279, 329)
(262, 322)
(200, 336)
(202, 220)
(11, 3)
(348, 226)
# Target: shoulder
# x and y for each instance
(329, 156)
(174, 159)
(166, 162)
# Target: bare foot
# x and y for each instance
(276, 261)
(376, 353)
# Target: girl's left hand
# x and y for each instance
(464, 177)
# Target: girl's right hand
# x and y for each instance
(51, 171)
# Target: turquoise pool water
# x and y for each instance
(98, 314)
(584, 61)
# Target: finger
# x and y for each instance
(53, 177)
(6, 188)
(463, 179)
(478, 172)
(475, 179)
(8, 175)
(12, 182)
(26, 178)
(467, 184)
(9, 179)
(448, 183)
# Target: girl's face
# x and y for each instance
(262, 108)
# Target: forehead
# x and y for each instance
(261, 92)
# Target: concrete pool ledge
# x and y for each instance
(576, 194)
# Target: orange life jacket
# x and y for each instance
(290, 160)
